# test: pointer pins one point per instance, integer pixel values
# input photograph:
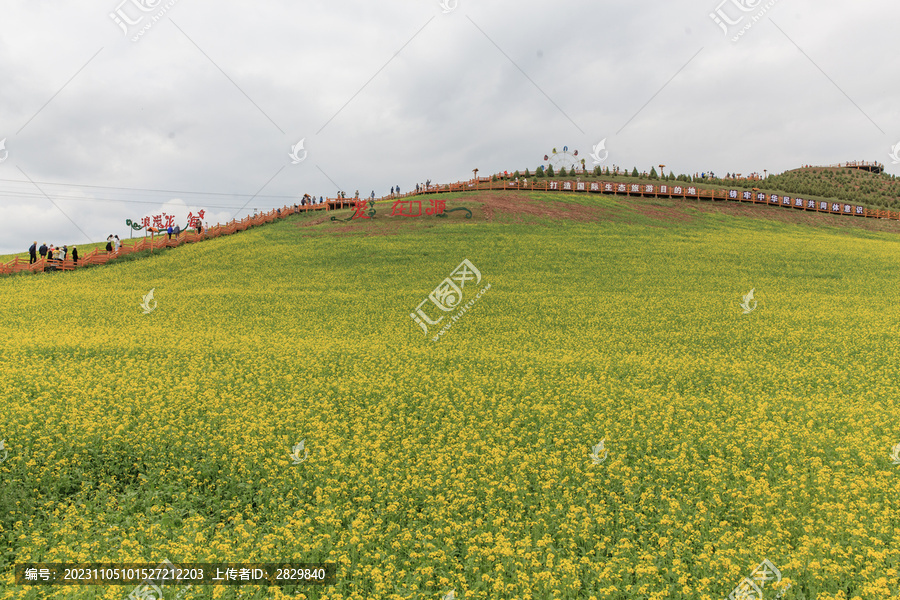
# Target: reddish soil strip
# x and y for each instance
(521, 208)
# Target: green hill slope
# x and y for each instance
(466, 464)
(880, 190)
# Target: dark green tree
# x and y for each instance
(550, 171)
(634, 172)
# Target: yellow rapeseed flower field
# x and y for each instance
(466, 464)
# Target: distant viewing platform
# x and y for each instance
(871, 167)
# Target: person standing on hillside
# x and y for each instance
(32, 254)
(64, 253)
(119, 244)
(109, 243)
(75, 254)
(398, 191)
(169, 230)
(177, 231)
(43, 250)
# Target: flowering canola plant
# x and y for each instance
(465, 466)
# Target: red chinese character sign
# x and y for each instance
(413, 208)
(404, 208)
(193, 221)
(438, 207)
(360, 211)
(164, 221)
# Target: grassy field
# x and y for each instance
(464, 464)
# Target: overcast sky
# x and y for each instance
(204, 100)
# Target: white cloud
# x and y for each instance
(396, 92)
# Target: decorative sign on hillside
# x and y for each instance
(413, 208)
(159, 221)
(403, 208)
(360, 211)
(164, 221)
(193, 221)
(691, 191)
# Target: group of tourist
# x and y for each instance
(57, 254)
(308, 200)
(113, 240)
(51, 252)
